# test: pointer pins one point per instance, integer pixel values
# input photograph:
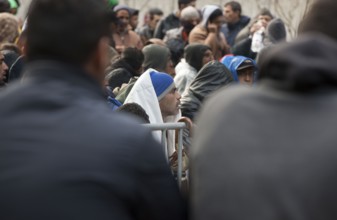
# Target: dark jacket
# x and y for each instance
(210, 78)
(65, 155)
(231, 30)
(168, 23)
(269, 152)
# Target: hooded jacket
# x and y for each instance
(188, 68)
(210, 78)
(144, 94)
(235, 63)
(200, 33)
(283, 166)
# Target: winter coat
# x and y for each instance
(210, 78)
(231, 30)
(269, 152)
(168, 23)
(65, 155)
(185, 74)
(200, 33)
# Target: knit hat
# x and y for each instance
(156, 57)
(122, 7)
(189, 12)
(9, 28)
(162, 83)
(194, 54)
(276, 31)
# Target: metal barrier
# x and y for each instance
(172, 126)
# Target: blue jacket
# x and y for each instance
(231, 30)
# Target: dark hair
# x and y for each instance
(235, 6)
(155, 11)
(4, 6)
(135, 109)
(216, 13)
(10, 47)
(65, 30)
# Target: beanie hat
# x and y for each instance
(276, 31)
(156, 57)
(194, 54)
(9, 28)
(162, 83)
(189, 12)
(122, 7)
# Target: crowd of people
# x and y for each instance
(79, 78)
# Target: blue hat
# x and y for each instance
(162, 83)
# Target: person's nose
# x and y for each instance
(178, 95)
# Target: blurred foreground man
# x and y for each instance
(63, 153)
(269, 152)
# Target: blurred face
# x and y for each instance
(218, 21)
(230, 15)
(190, 24)
(123, 17)
(170, 103)
(153, 23)
(134, 21)
(264, 19)
(246, 76)
(208, 56)
(3, 69)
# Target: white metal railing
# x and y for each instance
(172, 126)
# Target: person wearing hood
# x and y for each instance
(235, 22)
(283, 165)
(156, 57)
(208, 31)
(243, 69)
(195, 57)
(213, 76)
(156, 93)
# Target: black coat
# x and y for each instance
(209, 79)
(65, 155)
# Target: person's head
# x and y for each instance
(4, 6)
(65, 31)
(157, 57)
(212, 14)
(3, 69)
(123, 15)
(189, 18)
(319, 19)
(176, 47)
(243, 69)
(184, 3)
(168, 97)
(134, 13)
(155, 14)
(134, 57)
(134, 109)
(232, 12)
(9, 28)
(197, 55)
(276, 32)
(264, 17)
